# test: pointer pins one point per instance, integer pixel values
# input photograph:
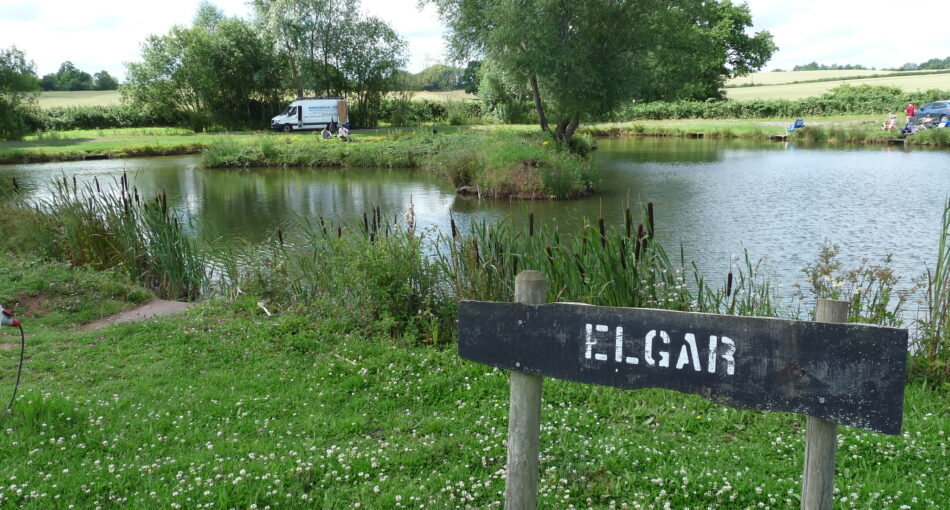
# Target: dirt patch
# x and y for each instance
(156, 308)
(32, 306)
(9, 347)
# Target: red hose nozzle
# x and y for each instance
(7, 319)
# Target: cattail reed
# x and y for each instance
(16, 187)
(365, 223)
(729, 284)
(603, 233)
(531, 224)
(623, 253)
(651, 232)
(628, 221)
(280, 236)
(455, 230)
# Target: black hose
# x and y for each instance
(19, 370)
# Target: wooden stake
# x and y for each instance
(821, 437)
(524, 413)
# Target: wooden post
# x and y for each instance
(821, 437)
(524, 412)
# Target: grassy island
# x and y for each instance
(497, 163)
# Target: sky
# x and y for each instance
(104, 34)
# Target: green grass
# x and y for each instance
(230, 408)
(499, 163)
(113, 143)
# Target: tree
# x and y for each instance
(469, 79)
(583, 60)
(104, 81)
(310, 36)
(18, 88)
(372, 57)
(220, 72)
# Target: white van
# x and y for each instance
(311, 113)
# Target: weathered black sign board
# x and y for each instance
(844, 373)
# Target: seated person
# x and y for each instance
(909, 129)
(890, 123)
(344, 133)
(927, 122)
(326, 133)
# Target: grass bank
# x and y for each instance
(498, 163)
(103, 143)
(852, 129)
(229, 407)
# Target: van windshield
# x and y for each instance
(286, 111)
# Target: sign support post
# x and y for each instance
(821, 437)
(524, 412)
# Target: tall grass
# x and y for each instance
(600, 265)
(108, 228)
(933, 343)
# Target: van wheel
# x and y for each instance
(287, 128)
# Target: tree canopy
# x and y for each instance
(18, 88)
(582, 60)
(69, 77)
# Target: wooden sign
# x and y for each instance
(844, 373)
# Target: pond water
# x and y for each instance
(713, 197)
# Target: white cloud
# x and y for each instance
(873, 33)
(103, 34)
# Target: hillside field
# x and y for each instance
(780, 86)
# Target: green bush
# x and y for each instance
(99, 117)
(843, 100)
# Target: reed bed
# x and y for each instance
(933, 342)
(103, 228)
(600, 265)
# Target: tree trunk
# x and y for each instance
(536, 92)
(569, 132)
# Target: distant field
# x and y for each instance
(79, 98)
(770, 78)
(111, 97)
(802, 90)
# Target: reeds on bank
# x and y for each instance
(115, 227)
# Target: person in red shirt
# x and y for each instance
(910, 111)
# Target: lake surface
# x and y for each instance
(713, 197)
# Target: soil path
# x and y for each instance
(155, 308)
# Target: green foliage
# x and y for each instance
(815, 66)
(439, 77)
(106, 229)
(933, 343)
(18, 87)
(596, 264)
(70, 78)
(870, 288)
(504, 97)
(846, 99)
(586, 59)
(68, 118)
(224, 74)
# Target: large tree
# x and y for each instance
(582, 60)
(217, 71)
(311, 37)
(371, 57)
(18, 89)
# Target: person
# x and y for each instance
(927, 122)
(344, 133)
(909, 129)
(890, 123)
(326, 132)
(910, 111)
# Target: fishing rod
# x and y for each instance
(7, 319)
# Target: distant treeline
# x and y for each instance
(934, 63)
(70, 78)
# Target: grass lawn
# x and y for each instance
(226, 407)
